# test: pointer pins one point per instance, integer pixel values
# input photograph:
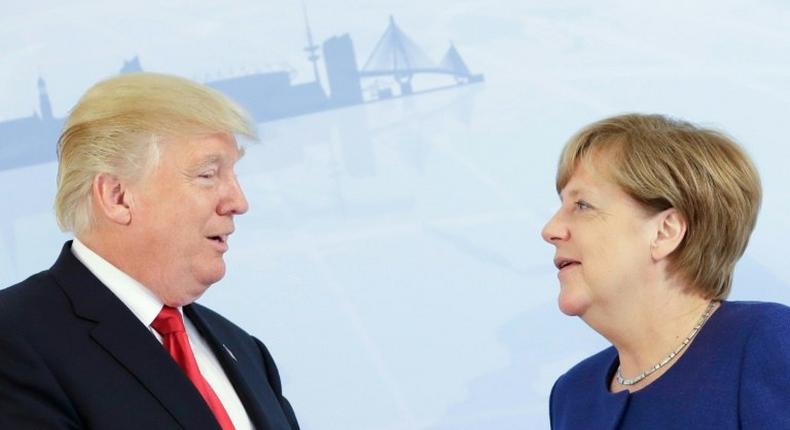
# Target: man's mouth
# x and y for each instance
(221, 239)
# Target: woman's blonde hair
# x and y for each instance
(116, 128)
(667, 163)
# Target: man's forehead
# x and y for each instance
(213, 149)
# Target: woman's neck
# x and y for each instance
(648, 330)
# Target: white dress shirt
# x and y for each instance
(145, 305)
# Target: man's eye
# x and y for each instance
(207, 175)
(581, 204)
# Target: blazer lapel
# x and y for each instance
(120, 333)
(260, 403)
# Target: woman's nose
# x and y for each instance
(555, 229)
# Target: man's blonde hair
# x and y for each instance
(116, 128)
(702, 173)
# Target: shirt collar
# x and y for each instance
(143, 303)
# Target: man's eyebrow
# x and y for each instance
(203, 162)
(208, 160)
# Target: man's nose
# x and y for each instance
(234, 202)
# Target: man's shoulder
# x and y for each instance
(35, 289)
(29, 308)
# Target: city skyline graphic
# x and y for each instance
(392, 70)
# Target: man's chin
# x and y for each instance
(203, 279)
(187, 296)
(211, 274)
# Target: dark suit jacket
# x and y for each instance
(73, 356)
(735, 375)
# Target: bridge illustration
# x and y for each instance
(398, 56)
(272, 95)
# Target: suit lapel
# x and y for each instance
(261, 405)
(124, 337)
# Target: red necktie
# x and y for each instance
(170, 325)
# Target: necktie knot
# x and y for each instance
(168, 321)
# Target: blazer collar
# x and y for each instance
(262, 407)
(122, 335)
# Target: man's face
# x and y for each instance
(182, 215)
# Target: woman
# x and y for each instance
(655, 213)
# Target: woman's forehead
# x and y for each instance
(589, 170)
(579, 182)
(600, 159)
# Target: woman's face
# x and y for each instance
(603, 241)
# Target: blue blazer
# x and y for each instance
(73, 356)
(735, 375)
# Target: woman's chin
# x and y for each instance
(573, 304)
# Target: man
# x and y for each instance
(110, 336)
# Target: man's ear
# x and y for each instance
(112, 198)
(670, 231)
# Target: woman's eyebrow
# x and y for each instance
(573, 192)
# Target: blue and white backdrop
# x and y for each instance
(391, 259)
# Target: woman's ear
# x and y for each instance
(670, 231)
(111, 198)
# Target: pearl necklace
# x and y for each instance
(671, 356)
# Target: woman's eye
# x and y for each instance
(581, 204)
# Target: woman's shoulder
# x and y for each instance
(750, 331)
(753, 306)
(756, 315)
(764, 358)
